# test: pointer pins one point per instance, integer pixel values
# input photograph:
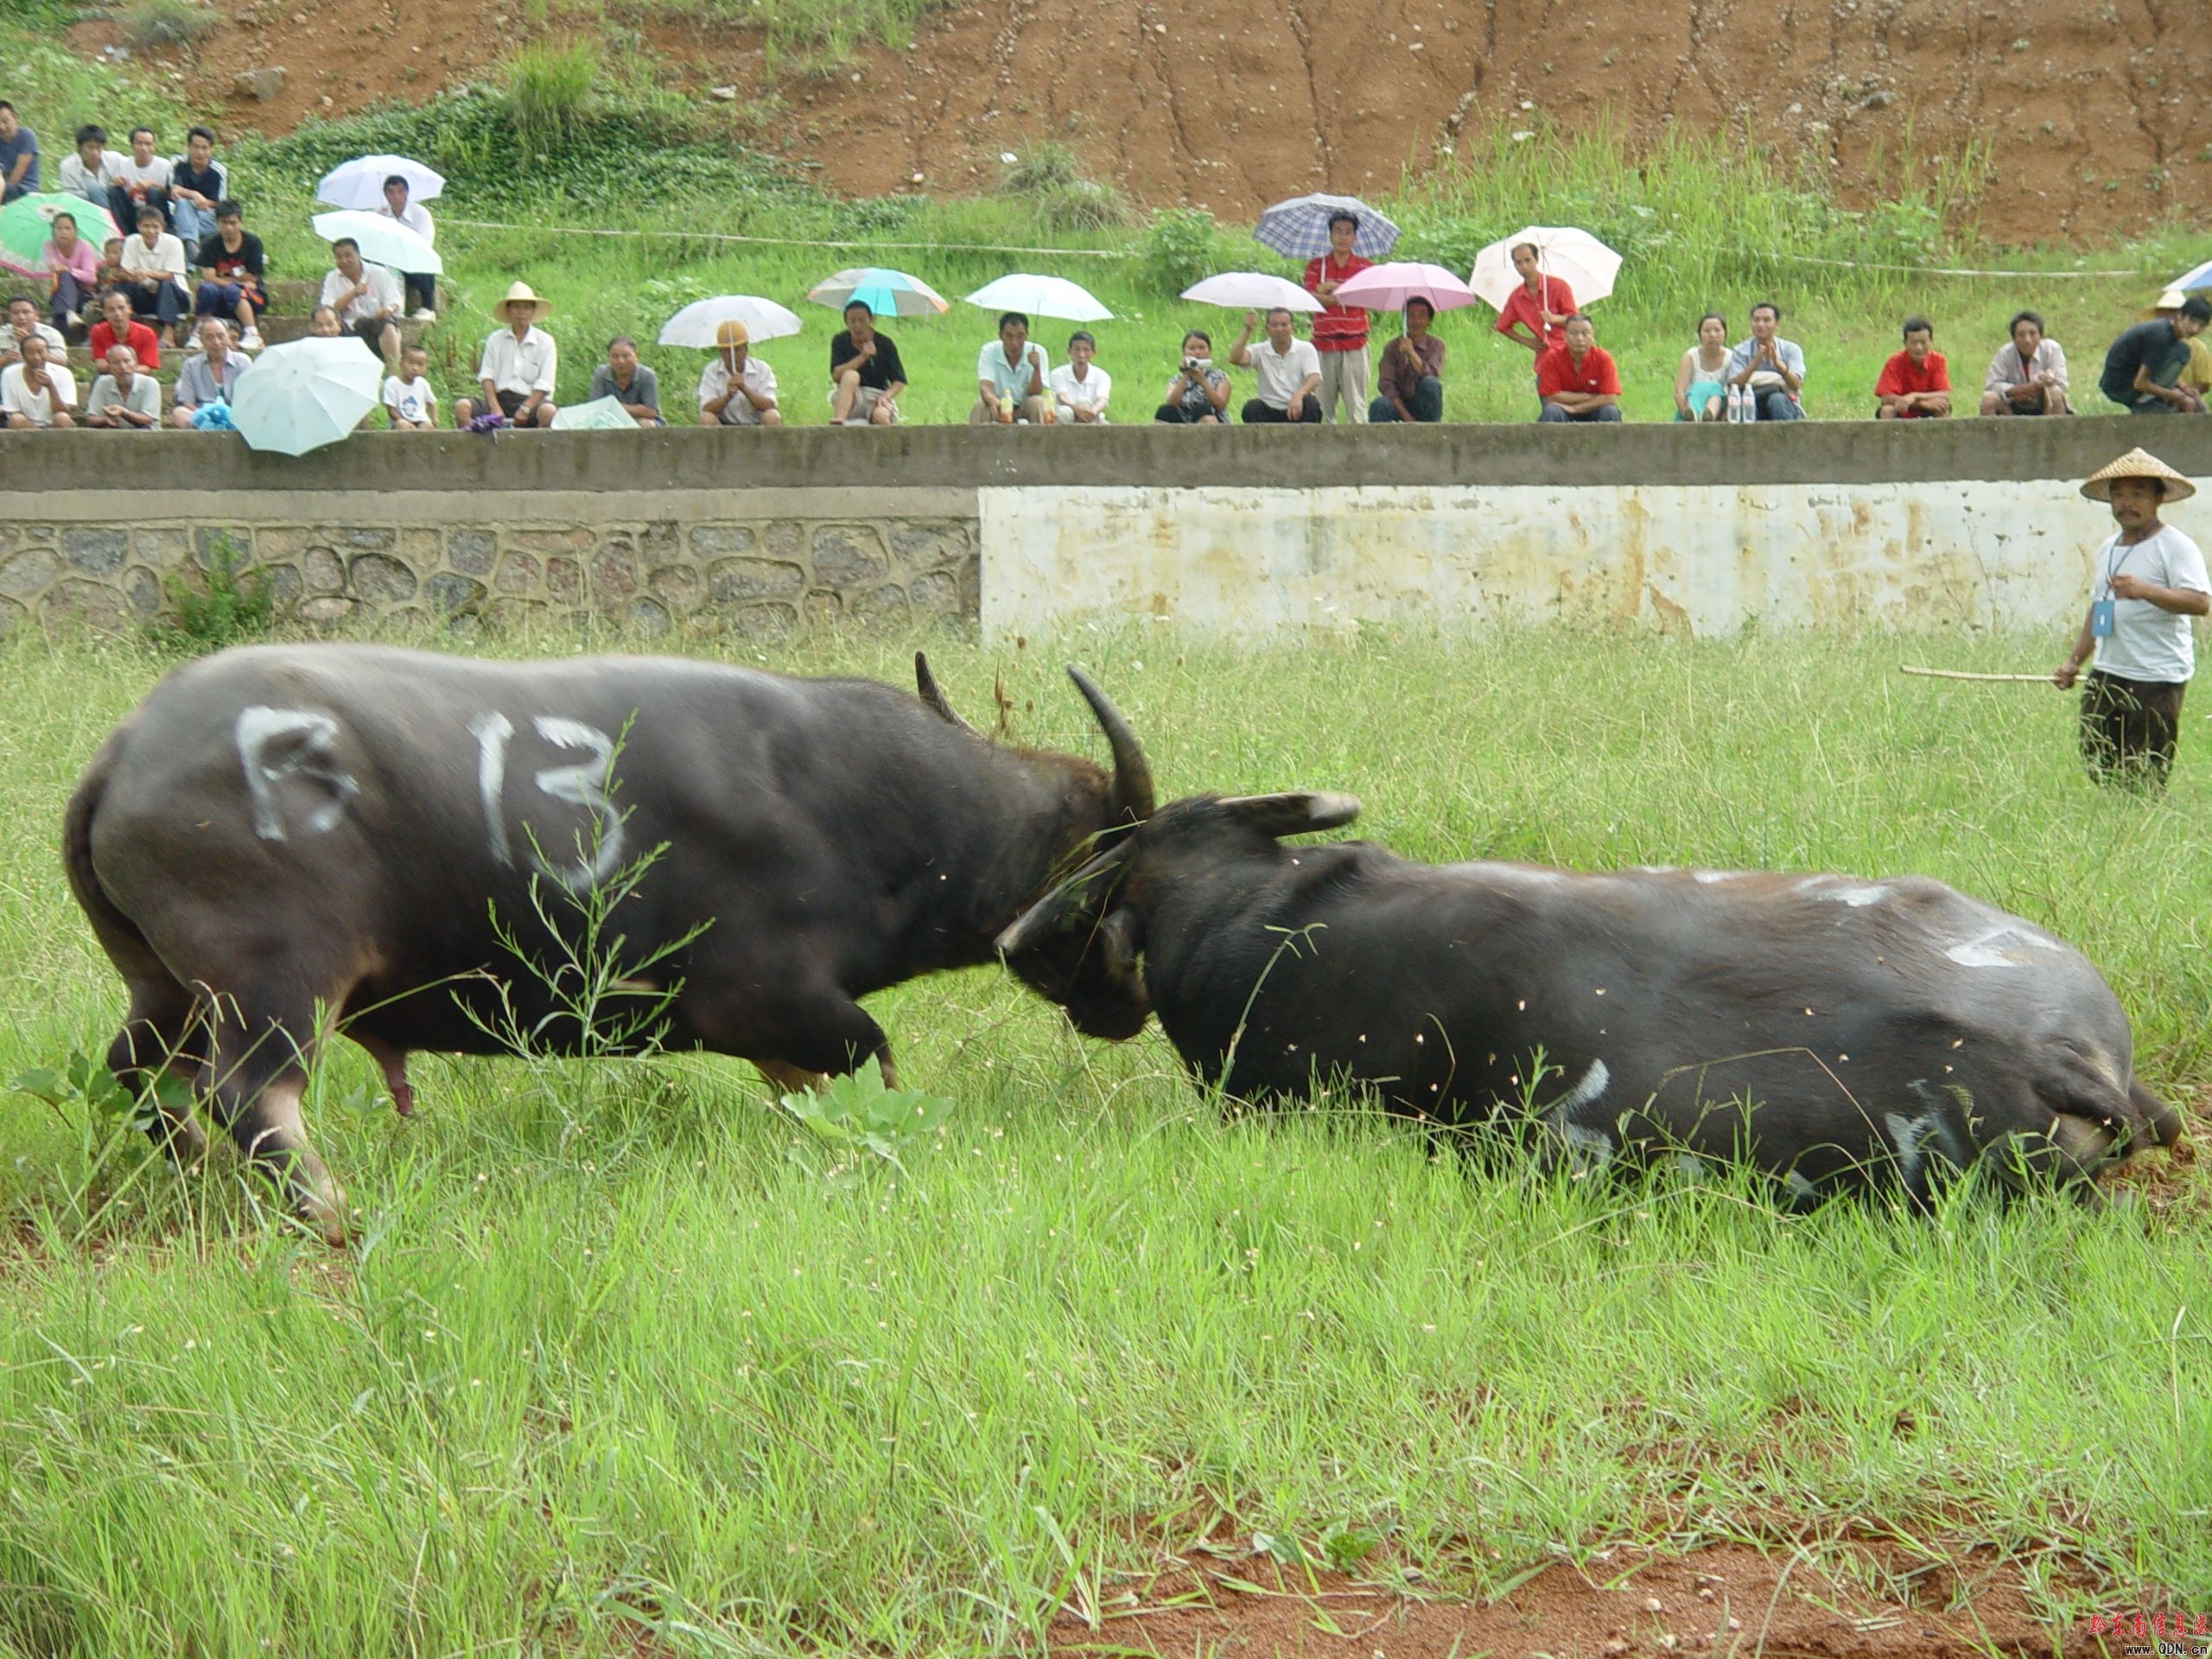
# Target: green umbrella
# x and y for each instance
(601, 415)
(26, 224)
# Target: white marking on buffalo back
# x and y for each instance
(1711, 876)
(1858, 896)
(307, 754)
(1998, 948)
(492, 732)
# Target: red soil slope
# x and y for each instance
(2093, 112)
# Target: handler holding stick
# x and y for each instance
(2148, 580)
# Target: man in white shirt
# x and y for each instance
(123, 398)
(1288, 370)
(23, 323)
(153, 273)
(143, 180)
(421, 286)
(2146, 582)
(91, 172)
(35, 393)
(518, 368)
(737, 388)
(1080, 387)
(1010, 377)
(366, 298)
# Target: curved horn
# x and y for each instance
(1296, 814)
(934, 694)
(1132, 773)
(1048, 912)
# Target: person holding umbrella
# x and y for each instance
(1539, 306)
(1412, 379)
(366, 299)
(421, 286)
(866, 375)
(737, 389)
(1340, 331)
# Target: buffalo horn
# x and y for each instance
(1132, 774)
(1046, 913)
(934, 694)
(1293, 814)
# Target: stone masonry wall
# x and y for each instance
(762, 579)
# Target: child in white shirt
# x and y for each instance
(409, 405)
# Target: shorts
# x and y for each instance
(370, 332)
(864, 405)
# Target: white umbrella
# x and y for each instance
(600, 415)
(696, 323)
(383, 241)
(305, 393)
(1586, 265)
(359, 182)
(1043, 296)
(1238, 290)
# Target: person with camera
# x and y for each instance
(1199, 393)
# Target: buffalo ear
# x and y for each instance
(1121, 936)
(1041, 918)
(1297, 813)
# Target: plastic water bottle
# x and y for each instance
(1735, 405)
(1006, 409)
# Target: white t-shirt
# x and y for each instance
(1281, 373)
(37, 407)
(739, 411)
(382, 296)
(412, 400)
(2146, 643)
(155, 176)
(1089, 392)
(164, 259)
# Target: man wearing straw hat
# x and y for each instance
(518, 366)
(2147, 581)
(737, 389)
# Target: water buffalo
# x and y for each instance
(283, 841)
(1888, 1031)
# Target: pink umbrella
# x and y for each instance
(1387, 288)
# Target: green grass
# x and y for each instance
(620, 1342)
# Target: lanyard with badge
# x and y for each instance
(2100, 610)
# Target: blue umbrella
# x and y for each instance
(887, 293)
(1299, 227)
(2201, 277)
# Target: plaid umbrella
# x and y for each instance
(1299, 227)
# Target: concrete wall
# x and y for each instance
(1246, 529)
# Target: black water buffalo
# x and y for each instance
(1887, 1030)
(284, 841)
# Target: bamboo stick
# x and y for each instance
(1959, 674)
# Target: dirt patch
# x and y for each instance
(1726, 1600)
(2087, 110)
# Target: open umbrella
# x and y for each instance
(306, 393)
(1387, 288)
(383, 241)
(887, 293)
(359, 182)
(1043, 296)
(600, 415)
(696, 323)
(27, 222)
(1299, 227)
(2199, 278)
(1577, 258)
(1250, 290)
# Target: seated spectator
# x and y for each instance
(1079, 387)
(2197, 378)
(117, 327)
(409, 405)
(866, 375)
(18, 155)
(636, 387)
(1771, 367)
(1010, 377)
(123, 398)
(518, 367)
(144, 182)
(2143, 368)
(91, 172)
(23, 323)
(36, 392)
(110, 270)
(421, 286)
(209, 376)
(737, 389)
(1289, 372)
(1199, 393)
(1578, 381)
(1538, 308)
(238, 287)
(1410, 379)
(72, 272)
(1700, 378)
(323, 323)
(366, 298)
(199, 185)
(153, 273)
(1913, 384)
(2029, 376)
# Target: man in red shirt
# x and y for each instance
(1578, 381)
(1339, 331)
(1539, 305)
(1914, 383)
(117, 327)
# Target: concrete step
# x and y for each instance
(300, 294)
(275, 331)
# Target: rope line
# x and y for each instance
(782, 241)
(1958, 270)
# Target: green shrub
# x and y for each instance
(550, 93)
(1048, 178)
(150, 25)
(1183, 244)
(234, 602)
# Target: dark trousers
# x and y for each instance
(161, 298)
(1176, 415)
(68, 296)
(422, 290)
(1259, 414)
(1775, 405)
(120, 203)
(1426, 404)
(1555, 412)
(2129, 729)
(10, 193)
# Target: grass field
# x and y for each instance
(621, 1348)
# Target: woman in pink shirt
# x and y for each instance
(1540, 306)
(72, 267)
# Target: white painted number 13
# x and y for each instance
(582, 784)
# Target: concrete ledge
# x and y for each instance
(960, 457)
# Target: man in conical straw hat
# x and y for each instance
(2146, 582)
(517, 372)
(737, 388)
